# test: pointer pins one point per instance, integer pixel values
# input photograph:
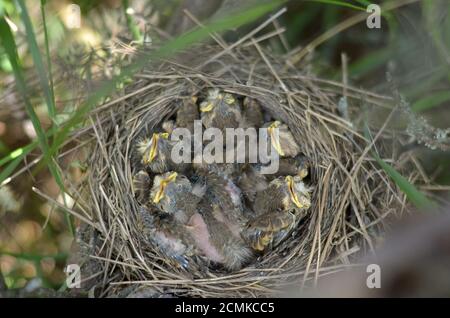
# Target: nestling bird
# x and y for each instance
(214, 233)
(220, 110)
(220, 241)
(141, 186)
(224, 169)
(251, 181)
(252, 113)
(278, 210)
(174, 194)
(223, 211)
(168, 236)
(285, 144)
(221, 191)
(187, 113)
(156, 154)
(297, 166)
(168, 126)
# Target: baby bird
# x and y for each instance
(222, 192)
(141, 187)
(187, 113)
(285, 145)
(212, 231)
(174, 194)
(168, 126)
(251, 181)
(297, 166)
(225, 245)
(168, 236)
(156, 154)
(278, 210)
(252, 113)
(220, 110)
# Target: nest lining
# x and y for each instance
(351, 196)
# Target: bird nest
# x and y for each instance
(350, 195)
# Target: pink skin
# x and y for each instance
(199, 231)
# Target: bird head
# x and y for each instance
(274, 134)
(149, 148)
(160, 184)
(298, 192)
(215, 97)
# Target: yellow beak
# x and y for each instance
(154, 146)
(274, 138)
(162, 187)
(206, 107)
(294, 197)
(229, 99)
(303, 173)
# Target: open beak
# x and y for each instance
(229, 99)
(294, 197)
(162, 187)
(275, 137)
(303, 173)
(154, 147)
(206, 107)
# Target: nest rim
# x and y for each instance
(346, 182)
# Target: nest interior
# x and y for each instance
(351, 196)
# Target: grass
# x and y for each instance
(416, 197)
(60, 134)
(132, 27)
(11, 161)
(11, 50)
(431, 101)
(78, 117)
(171, 47)
(341, 4)
(37, 58)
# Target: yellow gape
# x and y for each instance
(275, 140)
(229, 99)
(162, 187)
(294, 198)
(154, 146)
(303, 173)
(206, 107)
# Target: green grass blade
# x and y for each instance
(370, 62)
(49, 62)
(301, 22)
(364, 2)
(433, 100)
(414, 195)
(16, 153)
(341, 4)
(37, 59)
(417, 198)
(170, 48)
(6, 172)
(11, 50)
(177, 44)
(425, 84)
(131, 23)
